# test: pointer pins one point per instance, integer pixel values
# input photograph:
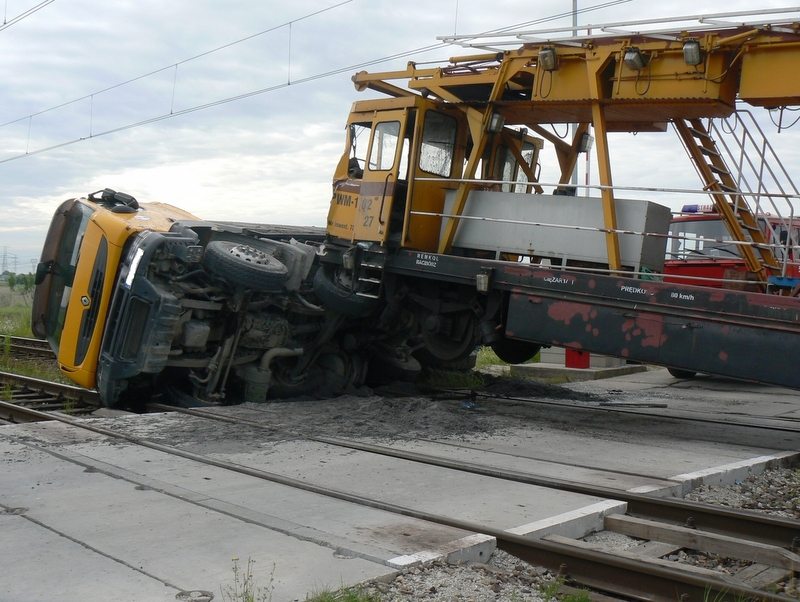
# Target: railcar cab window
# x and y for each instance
(505, 167)
(384, 146)
(438, 144)
(359, 142)
(64, 271)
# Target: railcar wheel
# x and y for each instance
(246, 265)
(512, 351)
(448, 338)
(682, 374)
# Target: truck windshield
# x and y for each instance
(63, 271)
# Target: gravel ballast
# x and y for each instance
(507, 579)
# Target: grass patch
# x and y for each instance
(43, 370)
(15, 320)
(345, 594)
(453, 379)
(244, 588)
(550, 589)
(556, 591)
(487, 357)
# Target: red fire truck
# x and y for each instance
(700, 249)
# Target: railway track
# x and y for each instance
(764, 540)
(21, 394)
(26, 348)
(735, 523)
(776, 424)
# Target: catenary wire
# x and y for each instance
(247, 94)
(174, 65)
(222, 101)
(6, 24)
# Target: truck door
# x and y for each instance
(385, 176)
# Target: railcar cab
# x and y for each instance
(401, 157)
(403, 161)
(391, 145)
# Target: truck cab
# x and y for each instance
(701, 250)
(87, 241)
(136, 298)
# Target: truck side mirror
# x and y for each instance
(42, 270)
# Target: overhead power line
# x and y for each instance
(20, 17)
(227, 100)
(174, 65)
(230, 99)
(563, 15)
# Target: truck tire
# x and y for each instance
(245, 265)
(283, 387)
(512, 351)
(385, 369)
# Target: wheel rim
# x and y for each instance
(250, 254)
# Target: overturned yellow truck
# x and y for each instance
(441, 237)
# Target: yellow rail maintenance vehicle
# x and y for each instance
(441, 235)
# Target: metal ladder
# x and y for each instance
(726, 192)
(370, 263)
(748, 148)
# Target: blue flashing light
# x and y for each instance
(698, 209)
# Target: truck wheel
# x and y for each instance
(385, 369)
(512, 351)
(282, 386)
(245, 265)
(682, 374)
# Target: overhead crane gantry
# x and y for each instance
(677, 71)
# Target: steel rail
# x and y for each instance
(27, 341)
(616, 187)
(595, 569)
(704, 23)
(23, 346)
(23, 352)
(599, 230)
(70, 392)
(15, 414)
(634, 412)
(763, 528)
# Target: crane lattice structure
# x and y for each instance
(622, 77)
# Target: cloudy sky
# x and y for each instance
(251, 131)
